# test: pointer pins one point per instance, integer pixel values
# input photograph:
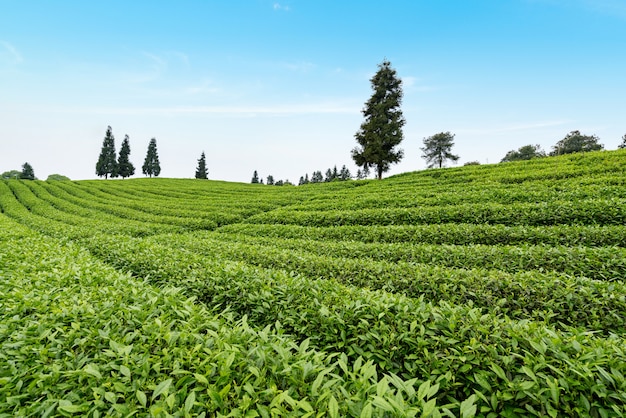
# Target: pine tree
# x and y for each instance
(124, 167)
(107, 164)
(255, 177)
(344, 174)
(27, 172)
(381, 132)
(201, 170)
(317, 177)
(151, 166)
(437, 149)
(270, 180)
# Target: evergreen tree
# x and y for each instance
(255, 177)
(437, 149)
(124, 167)
(317, 177)
(576, 142)
(344, 174)
(301, 182)
(27, 172)
(107, 164)
(381, 132)
(623, 144)
(306, 179)
(201, 170)
(151, 166)
(329, 176)
(270, 180)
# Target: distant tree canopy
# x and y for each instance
(381, 132)
(107, 164)
(201, 170)
(438, 149)
(623, 144)
(576, 142)
(151, 166)
(124, 167)
(12, 174)
(270, 180)
(57, 177)
(527, 152)
(27, 172)
(255, 177)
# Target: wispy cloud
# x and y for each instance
(9, 53)
(278, 6)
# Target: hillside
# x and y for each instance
(493, 290)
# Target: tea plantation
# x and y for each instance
(489, 291)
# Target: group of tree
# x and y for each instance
(572, 143)
(109, 165)
(331, 175)
(27, 173)
(269, 181)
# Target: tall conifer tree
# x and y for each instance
(107, 164)
(124, 167)
(201, 170)
(381, 132)
(151, 166)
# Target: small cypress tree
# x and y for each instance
(107, 164)
(201, 170)
(255, 177)
(151, 166)
(27, 172)
(124, 167)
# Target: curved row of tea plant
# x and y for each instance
(79, 338)
(511, 366)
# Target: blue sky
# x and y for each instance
(278, 86)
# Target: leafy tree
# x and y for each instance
(107, 162)
(201, 170)
(576, 142)
(527, 152)
(279, 183)
(124, 167)
(472, 163)
(255, 177)
(438, 149)
(362, 174)
(381, 132)
(151, 166)
(27, 172)
(13, 174)
(623, 144)
(57, 177)
(270, 180)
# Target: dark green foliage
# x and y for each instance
(576, 142)
(270, 180)
(381, 132)
(107, 162)
(151, 166)
(57, 177)
(124, 167)
(623, 144)
(13, 174)
(201, 170)
(27, 172)
(438, 149)
(527, 152)
(255, 178)
(344, 174)
(317, 177)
